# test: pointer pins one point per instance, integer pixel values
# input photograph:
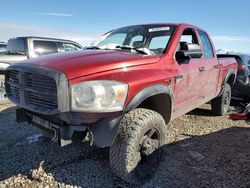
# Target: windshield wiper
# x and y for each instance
(15, 52)
(92, 48)
(141, 51)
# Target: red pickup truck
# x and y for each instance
(122, 92)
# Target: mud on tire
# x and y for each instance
(136, 152)
(220, 105)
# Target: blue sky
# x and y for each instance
(227, 21)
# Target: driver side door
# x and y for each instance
(189, 81)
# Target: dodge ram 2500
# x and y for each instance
(123, 91)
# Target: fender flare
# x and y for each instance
(149, 92)
(229, 73)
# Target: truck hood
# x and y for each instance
(86, 62)
(9, 58)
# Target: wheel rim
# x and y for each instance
(150, 154)
(247, 81)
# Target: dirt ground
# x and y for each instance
(202, 150)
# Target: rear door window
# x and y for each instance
(45, 47)
(207, 46)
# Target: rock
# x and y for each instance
(196, 155)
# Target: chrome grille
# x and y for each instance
(12, 87)
(41, 91)
(34, 91)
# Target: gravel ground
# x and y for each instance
(202, 150)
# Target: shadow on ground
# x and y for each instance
(201, 112)
(219, 159)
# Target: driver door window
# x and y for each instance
(189, 85)
(188, 37)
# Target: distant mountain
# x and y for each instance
(221, 51)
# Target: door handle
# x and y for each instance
(201, 69)
(216, 66)
(179, 78)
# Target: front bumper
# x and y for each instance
(102, 133)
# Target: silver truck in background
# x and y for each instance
(21, 48)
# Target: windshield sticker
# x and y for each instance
(159, 29)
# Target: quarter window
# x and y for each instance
(207, 46)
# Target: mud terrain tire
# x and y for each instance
(220, 105)
(136, 151)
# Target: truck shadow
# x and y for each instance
(201, 112)
(219, 159)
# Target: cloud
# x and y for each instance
(232, 43)
(9, 30)
(54, 14)
(231, 38)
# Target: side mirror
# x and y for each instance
(189, 51)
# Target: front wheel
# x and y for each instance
(136, 152)
(220, 105)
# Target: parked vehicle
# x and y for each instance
(3, 46)
(243, 61)
(22, 48)
(123, 91)
(241, 88)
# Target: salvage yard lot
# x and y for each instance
(201, 150)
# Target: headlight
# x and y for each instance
(98, 96)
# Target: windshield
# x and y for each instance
(246, 59)
(150, 38)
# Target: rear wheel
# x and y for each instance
(220, 105)
(136, 152)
